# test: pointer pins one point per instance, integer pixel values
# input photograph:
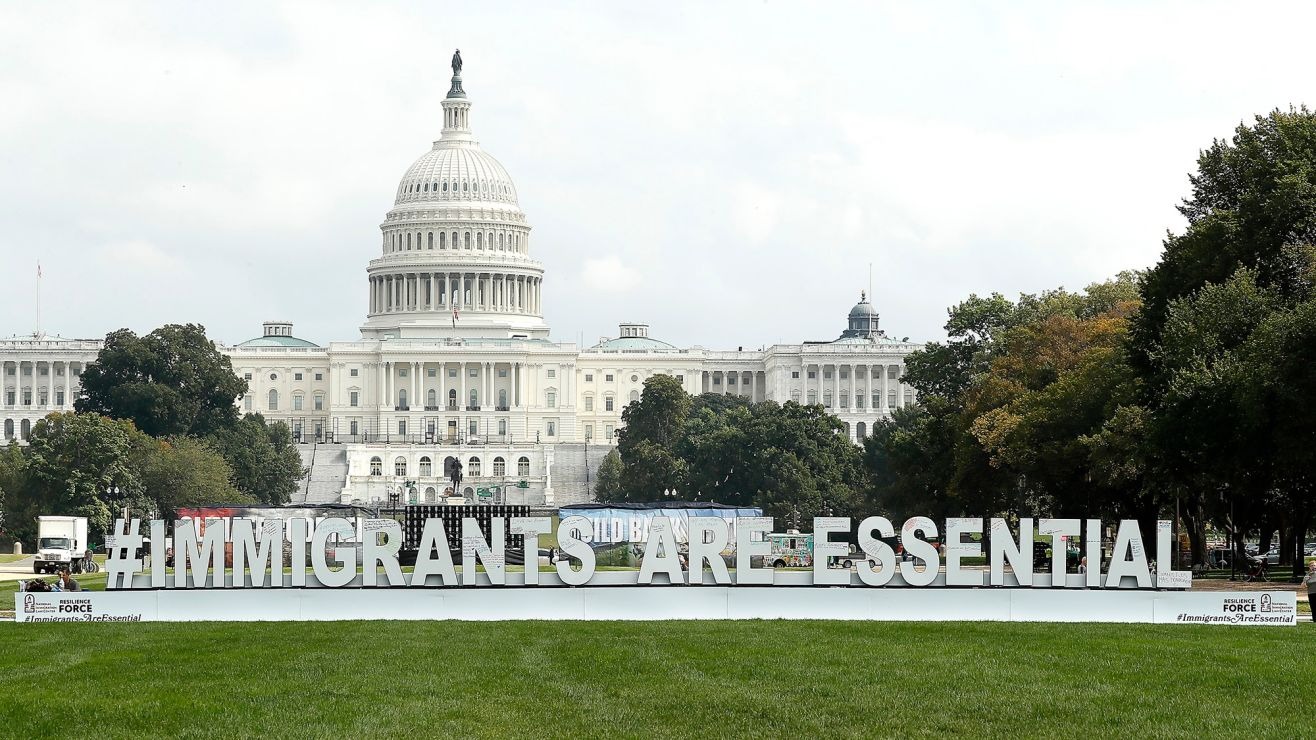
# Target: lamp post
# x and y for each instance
(587, 438)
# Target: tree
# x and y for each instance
(265, 462)
(608, 487)
(170, 382)
(15, 511)
(184, 472)
(81, 465)
(656, 418)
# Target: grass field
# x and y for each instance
(601, 679)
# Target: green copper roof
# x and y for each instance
(633, 343)
(277, 342)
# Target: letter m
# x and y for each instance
(206, 557)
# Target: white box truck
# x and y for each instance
(60, 540)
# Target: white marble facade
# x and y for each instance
(455, 361)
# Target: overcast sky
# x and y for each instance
(726, 172)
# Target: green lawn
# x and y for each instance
(767, 679)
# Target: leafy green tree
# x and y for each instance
(170, 382)
(81, 465)
(657, 418)
(15, 509)
(184, 472)
(608, 486)
(264, 459)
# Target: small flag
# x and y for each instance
(38, 268)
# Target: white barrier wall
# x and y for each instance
(658, 603)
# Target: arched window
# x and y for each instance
(429, 495)
(452, 398)
(500, 467)
(274, 400)
(473, 466)
(25, 429)
(523, 467)
(426, 467)
(402, 397)
(466, 187)
(425, 187)
(376, 466)
(431, 240)
(432, 398)
(635, 396)
(9, 428)
(502, 398)
(500, 240)
(296, 402)
(860, 431)
(479, 240)
(443, 243)
(846, 427)
(445, 187)
(466, 239)
(795, 395)
(475, 397)
(399, 466)
(448, 463)
(408, 240)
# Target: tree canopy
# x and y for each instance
(170, 382)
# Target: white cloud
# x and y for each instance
(609, 275)
(677, 161)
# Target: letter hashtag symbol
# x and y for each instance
(121, 549)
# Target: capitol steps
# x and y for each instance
(327, 465)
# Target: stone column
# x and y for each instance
(416, 387)
(461, 386)
(885, 409)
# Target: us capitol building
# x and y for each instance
(455, 362)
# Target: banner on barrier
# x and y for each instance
(1265, 608)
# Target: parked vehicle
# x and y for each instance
(790, 549)
(60, 541)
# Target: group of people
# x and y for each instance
(63, 582)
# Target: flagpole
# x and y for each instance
(38, 331)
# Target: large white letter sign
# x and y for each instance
(474, 547)
(708, 538)
(375, 553)
(1019, 555)
(1129, 557)
(661, 536)
(260, 560)
(434, 558)
(158, 553)
(342, 530)
(920, 549)
(877, 550)
(573, 535)
(824, 550)
(956, 548)
(297, 535)
(207, 558)
(747, 548)
(530, 527)
(1059, 530)
(1092, 550)
(1166, 576)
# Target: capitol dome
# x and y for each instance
(447, 173)
(455, 255)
